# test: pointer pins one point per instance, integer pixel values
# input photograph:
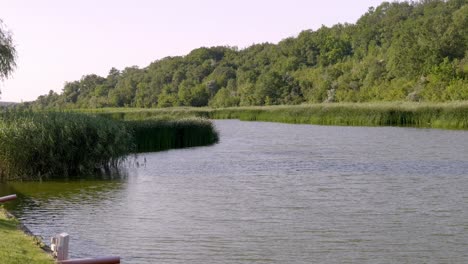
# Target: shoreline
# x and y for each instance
(452, 115)
(28, 232)
(32, 243)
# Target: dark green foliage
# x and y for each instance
(161, 134)
(413, 51)
(52, 144)
(7, 52)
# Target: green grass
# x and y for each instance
(16, 247)
(452, 115)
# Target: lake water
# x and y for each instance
(272, 193)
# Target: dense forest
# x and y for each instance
(400, 51)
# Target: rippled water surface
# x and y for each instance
(272, 193)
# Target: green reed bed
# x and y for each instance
(325, 114)
(449, 116)
(132, 114)
(43, 145)
(162, 134)
(452, 115)
(48, 144)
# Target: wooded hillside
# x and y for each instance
(415, 51)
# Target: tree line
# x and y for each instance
(414, 51)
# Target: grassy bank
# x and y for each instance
(430, 115)
(16, 247)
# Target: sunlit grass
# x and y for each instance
(16, 247)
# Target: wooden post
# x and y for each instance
(62, 246)
(101, 260)
(59, 246)
(7, 198)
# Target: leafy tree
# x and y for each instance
(167, 100)
(200, 96)
(71, 92)
(7, 52)
(225, 98)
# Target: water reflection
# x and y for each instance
(273, 193)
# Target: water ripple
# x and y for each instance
(273, 193)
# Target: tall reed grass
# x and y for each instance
(45, 145)
(429, 115)
(161, 134)
(447, 116)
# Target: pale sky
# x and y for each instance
(60, 40)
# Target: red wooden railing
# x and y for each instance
(7, 198)
(101, 260)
